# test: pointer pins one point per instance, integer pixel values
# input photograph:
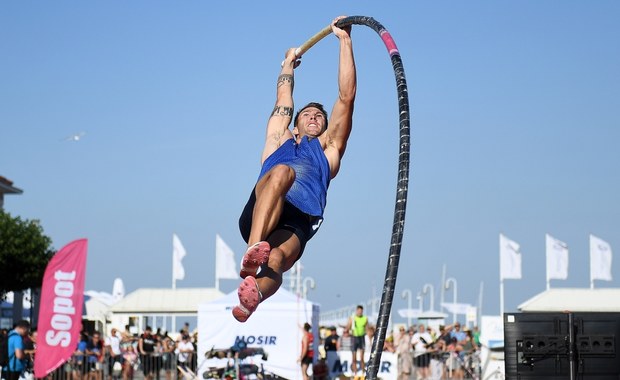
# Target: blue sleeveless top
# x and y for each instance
(312, 175)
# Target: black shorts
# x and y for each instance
(359, 343)
(422, 361)
(292, 219)
(306, 360)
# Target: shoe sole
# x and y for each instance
(249, 298)
(255, 256)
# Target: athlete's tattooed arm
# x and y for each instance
(282, 111)
(286, 79)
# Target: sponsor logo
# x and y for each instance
(343, 366)
(264, 340)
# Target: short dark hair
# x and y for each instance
(307, 326)
(319, 106)
(23, 324)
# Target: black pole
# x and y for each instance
(401, 191)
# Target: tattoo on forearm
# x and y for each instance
(282, 111)
(286, 79)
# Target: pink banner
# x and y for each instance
(60, 313)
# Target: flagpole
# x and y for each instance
(501, 280)
(501, 297)
(174, 286)
(591, 277)
(174, 281)
(480, 303)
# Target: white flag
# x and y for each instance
(600, 259)
(557, 258)
(178, 253)
(509, 259)
(225, 264)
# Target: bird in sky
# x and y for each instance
(75, 136)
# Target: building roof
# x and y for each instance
(574, 300)
(165, 301)
(6, 186)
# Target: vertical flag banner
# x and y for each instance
(509, 259)
(60, 312)
(557, 258)
(178, 253)
(600, 259)
(225, 265)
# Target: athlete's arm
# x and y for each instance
(282, 113)
(341, 120)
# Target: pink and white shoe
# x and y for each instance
(249, 298)
(254, 257)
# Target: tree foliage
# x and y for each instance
(24, 253)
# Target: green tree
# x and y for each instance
(24, 253)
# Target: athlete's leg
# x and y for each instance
(362, 364)
(284, 252)
(270, 195)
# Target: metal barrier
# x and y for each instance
(157, 366)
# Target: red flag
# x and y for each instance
(60, 312)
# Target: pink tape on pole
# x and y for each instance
(389, 42)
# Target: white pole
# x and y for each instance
(501, 297)
(420, 302)
(547, 263)
(308, 283)
(443, 282)
(174, 281)
(298, 279)
(407, 294)
(591, 279)
(428, 288)
(480, 303)
(452, 281)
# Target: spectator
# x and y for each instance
(80, 363)
(96, 353)
(17, 356)
(130, 358)
(332, 341)
(346, 341)
(148, 345)
(168, 358)
(30, 348)
(357, 325)
(421, 342)
(115, 355)
(184, 351)
(403, 352)
(307, 351)
(388, 345)
(457, 334)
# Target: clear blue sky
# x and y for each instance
(515, 129)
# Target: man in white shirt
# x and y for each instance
(184, 350)
(421, 340)
(113, 348)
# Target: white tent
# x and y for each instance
(276, 327)
(575, 300)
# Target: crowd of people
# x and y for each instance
(450, 352)
(116, 356)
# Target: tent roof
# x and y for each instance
(165, 301)
(575, 300)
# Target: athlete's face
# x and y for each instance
(311, 122)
